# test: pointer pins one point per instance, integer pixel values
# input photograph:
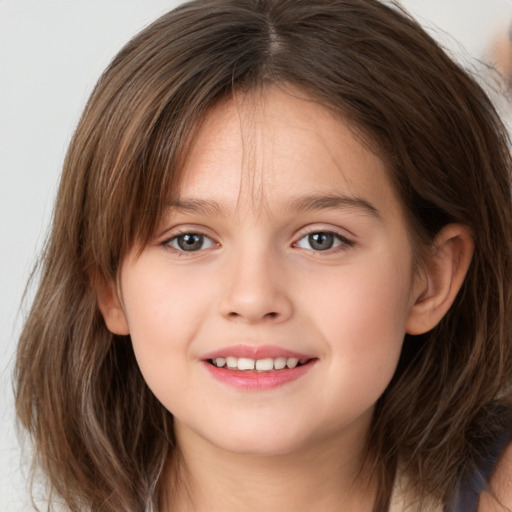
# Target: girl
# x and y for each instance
(279, 274)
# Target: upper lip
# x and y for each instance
(255, 352)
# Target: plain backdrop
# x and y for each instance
(51, 53)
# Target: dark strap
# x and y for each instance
(466, 497)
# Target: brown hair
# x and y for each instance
(100, 435)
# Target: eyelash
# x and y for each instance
(341, 243)
(182, 252)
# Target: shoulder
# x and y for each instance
(498, 498)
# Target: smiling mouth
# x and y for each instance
(257, 365)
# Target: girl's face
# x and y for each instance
(287, 248)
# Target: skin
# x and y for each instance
(254, 166)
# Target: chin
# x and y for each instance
(259, 441)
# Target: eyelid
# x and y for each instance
(319, 227)
(174, 233)
(184, 229)
(346, 241)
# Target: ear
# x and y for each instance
(111, 307)
(441, 279)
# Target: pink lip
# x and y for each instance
(256, 380)
(255, 352)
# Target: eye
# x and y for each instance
(322, 241)
(190, 242)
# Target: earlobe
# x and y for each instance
(111, 308)
(442, 278)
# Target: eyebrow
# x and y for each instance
(326, 202)
(204, 206)
(300, 204)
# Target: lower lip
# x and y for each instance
(258, 381)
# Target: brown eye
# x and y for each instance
(190, 242)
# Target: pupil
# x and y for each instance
(190, 242)
(321, 241)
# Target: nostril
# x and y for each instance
(272, 314)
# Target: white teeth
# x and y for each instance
(280, 363)
(265, 365)
(232, 362)
(261, 365)
(245, 364)
(292, 362)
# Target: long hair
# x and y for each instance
(100, 435)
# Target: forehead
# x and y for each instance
(273, 145)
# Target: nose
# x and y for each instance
(256, 290)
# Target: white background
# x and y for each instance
(51, 53)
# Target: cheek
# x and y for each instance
(361, 316)
(367, 298)
(164, 311)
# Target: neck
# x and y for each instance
(332, 475)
